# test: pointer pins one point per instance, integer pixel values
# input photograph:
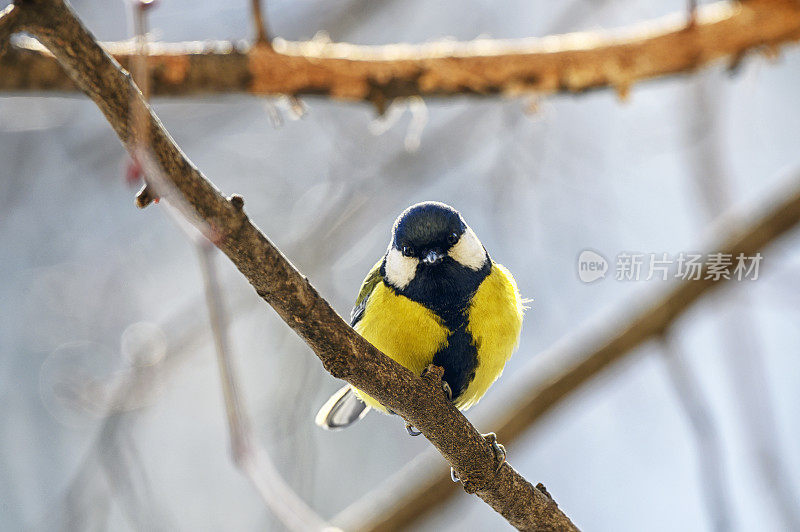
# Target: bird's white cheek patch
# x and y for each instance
(400, 270)
(469, 250)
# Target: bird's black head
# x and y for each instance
(434, 253)
(427, 230)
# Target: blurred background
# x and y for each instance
(111, 413)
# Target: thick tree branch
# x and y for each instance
(595, 352)
(562, 63)
(419, 400)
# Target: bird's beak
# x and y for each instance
(432, 257)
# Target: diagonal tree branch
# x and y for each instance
(345, 354)
(555, 64)
(596, 351)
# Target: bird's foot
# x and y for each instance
(411, 430)
(499, 454)
(439, 375)
(447, 390)
(498, 448)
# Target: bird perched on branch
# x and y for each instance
(436, 297)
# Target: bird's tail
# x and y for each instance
(342, 410)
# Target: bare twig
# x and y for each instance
(708, 445)
(562, 63)
(594, 352)
(343, 352)
(140, 385)
(750, 393)
(109, 459)
(260, 23)
(9, 24)
(247, 454)
(128, 479)
(746, 371)
(140, 73)
(691, 13)
(238, 425)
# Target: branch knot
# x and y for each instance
(432, 376)
(237, 201)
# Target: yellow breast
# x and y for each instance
(404, 330)
(495, 323)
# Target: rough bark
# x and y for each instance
(562, 63)
(345, 354)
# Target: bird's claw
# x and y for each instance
(499, 453)
(447, 390)
(498, 448)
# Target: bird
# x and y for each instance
(435, 297)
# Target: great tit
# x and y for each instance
(435, 297)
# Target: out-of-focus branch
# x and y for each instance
(127, 478)
(9, 24)
(248, 455)
(588, 357)
(561, 63)
(260, 23)
(419, 400)
(691, 12)
(140, 385)
(709, 449)
(745, 365)
(746, 370)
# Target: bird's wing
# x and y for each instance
(370, 282)
(344, 407)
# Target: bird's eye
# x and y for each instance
(408, 250)
(452, 239)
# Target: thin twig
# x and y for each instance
(749, 391)
(9, 24)
(691, 13)
(247, 454)
(140, 69)
(747, 375)
(139, 385)
(109, 458)
(260, 23)
(128, 479)
(238, 425)
(708, 445)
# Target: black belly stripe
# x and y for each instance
(447, 291)
(459, 359)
